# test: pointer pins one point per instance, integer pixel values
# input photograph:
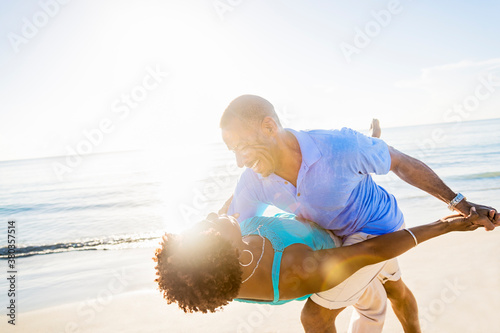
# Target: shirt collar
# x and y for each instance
(308, 148)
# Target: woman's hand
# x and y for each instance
(461, 223)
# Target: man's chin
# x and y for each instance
(265, 173)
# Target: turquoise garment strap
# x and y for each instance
(276, 274)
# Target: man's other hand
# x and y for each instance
(489, 218)
(225, 207)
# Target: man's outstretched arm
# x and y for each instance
(418, 174)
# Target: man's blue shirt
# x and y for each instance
(334, 186)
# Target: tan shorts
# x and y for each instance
(348, 292)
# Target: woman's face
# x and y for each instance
(227, 226)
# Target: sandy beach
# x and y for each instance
(454, 278)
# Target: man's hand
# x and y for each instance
(225, 208)
(489, 218)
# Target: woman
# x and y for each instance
(272, 259)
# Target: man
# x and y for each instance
(324, 176)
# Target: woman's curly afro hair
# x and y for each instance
(199, 270)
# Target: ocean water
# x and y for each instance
(127, 200)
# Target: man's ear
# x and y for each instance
(269, 126)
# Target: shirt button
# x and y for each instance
(298, 194)
(286, 183)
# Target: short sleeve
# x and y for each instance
(245, 200)
(372, 155)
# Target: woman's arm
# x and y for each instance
(333, 266)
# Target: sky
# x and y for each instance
(99, 76)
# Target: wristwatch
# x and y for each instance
(456, 200)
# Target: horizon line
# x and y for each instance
(212, 142)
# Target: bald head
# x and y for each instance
(250, 110)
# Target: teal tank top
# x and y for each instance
(282, 231)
